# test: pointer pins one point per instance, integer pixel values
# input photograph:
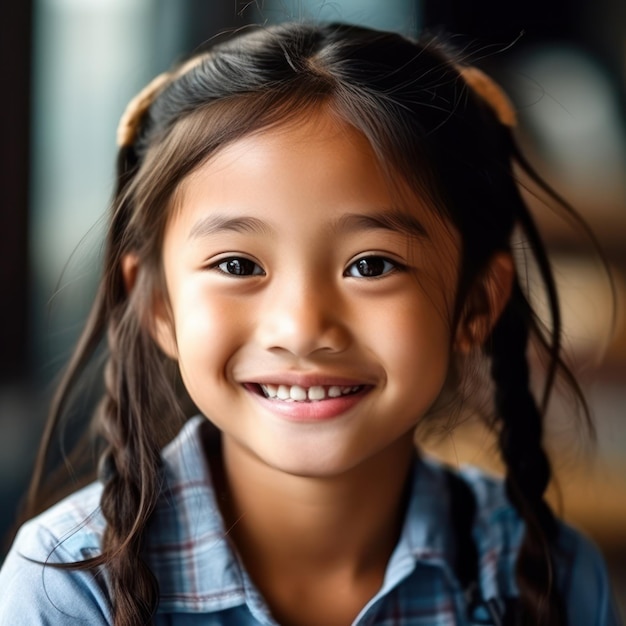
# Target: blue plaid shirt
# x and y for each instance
(202, 581)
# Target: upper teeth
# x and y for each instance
(302, 394)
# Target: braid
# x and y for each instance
(131, 470)
(140, 410)
(528, 468)
(138, 414)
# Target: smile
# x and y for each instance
(316, 393)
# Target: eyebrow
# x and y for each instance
(215, 224)
(393, 220)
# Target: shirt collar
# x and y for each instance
(188, 549)
(426, 538)
(186, 544)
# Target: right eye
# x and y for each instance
(238, 266)
(371, 266)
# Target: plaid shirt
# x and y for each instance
(202, 581)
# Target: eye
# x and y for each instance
(371, 267)
(238, 266)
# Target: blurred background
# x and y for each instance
(70, 66)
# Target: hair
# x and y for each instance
(427, 125)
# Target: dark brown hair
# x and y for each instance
(426, 125)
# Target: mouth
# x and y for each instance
(297, 393)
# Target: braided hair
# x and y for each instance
(431, 119)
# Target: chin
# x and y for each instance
(314, 464)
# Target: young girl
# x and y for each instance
(311, 241)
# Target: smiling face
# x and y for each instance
(310, 299)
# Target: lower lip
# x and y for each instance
(317, 411)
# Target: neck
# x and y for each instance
(294, 531)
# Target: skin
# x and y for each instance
(333, 472)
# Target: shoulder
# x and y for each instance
(581, 571)
(585, 582)
(70, 530)
(32, 587)
(34, 590)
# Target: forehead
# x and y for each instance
(329, 164)
(327, 146)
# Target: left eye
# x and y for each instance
(239, 266)
(371, 267)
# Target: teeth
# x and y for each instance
(316, 392)
(334, 391)
(296, 393)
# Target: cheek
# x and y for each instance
(209, 330)
(416, 340)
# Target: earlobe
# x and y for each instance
(157, 318)
(486, 302)
(129, 265)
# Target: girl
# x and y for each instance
(310, 240)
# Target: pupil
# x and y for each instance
(371, 267)
(238, 266)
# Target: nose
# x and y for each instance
(303, 317)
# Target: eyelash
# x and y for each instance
(243, 263)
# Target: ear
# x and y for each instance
(485, 303)
(158, 317)
(130, 266)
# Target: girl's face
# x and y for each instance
(311, 300)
